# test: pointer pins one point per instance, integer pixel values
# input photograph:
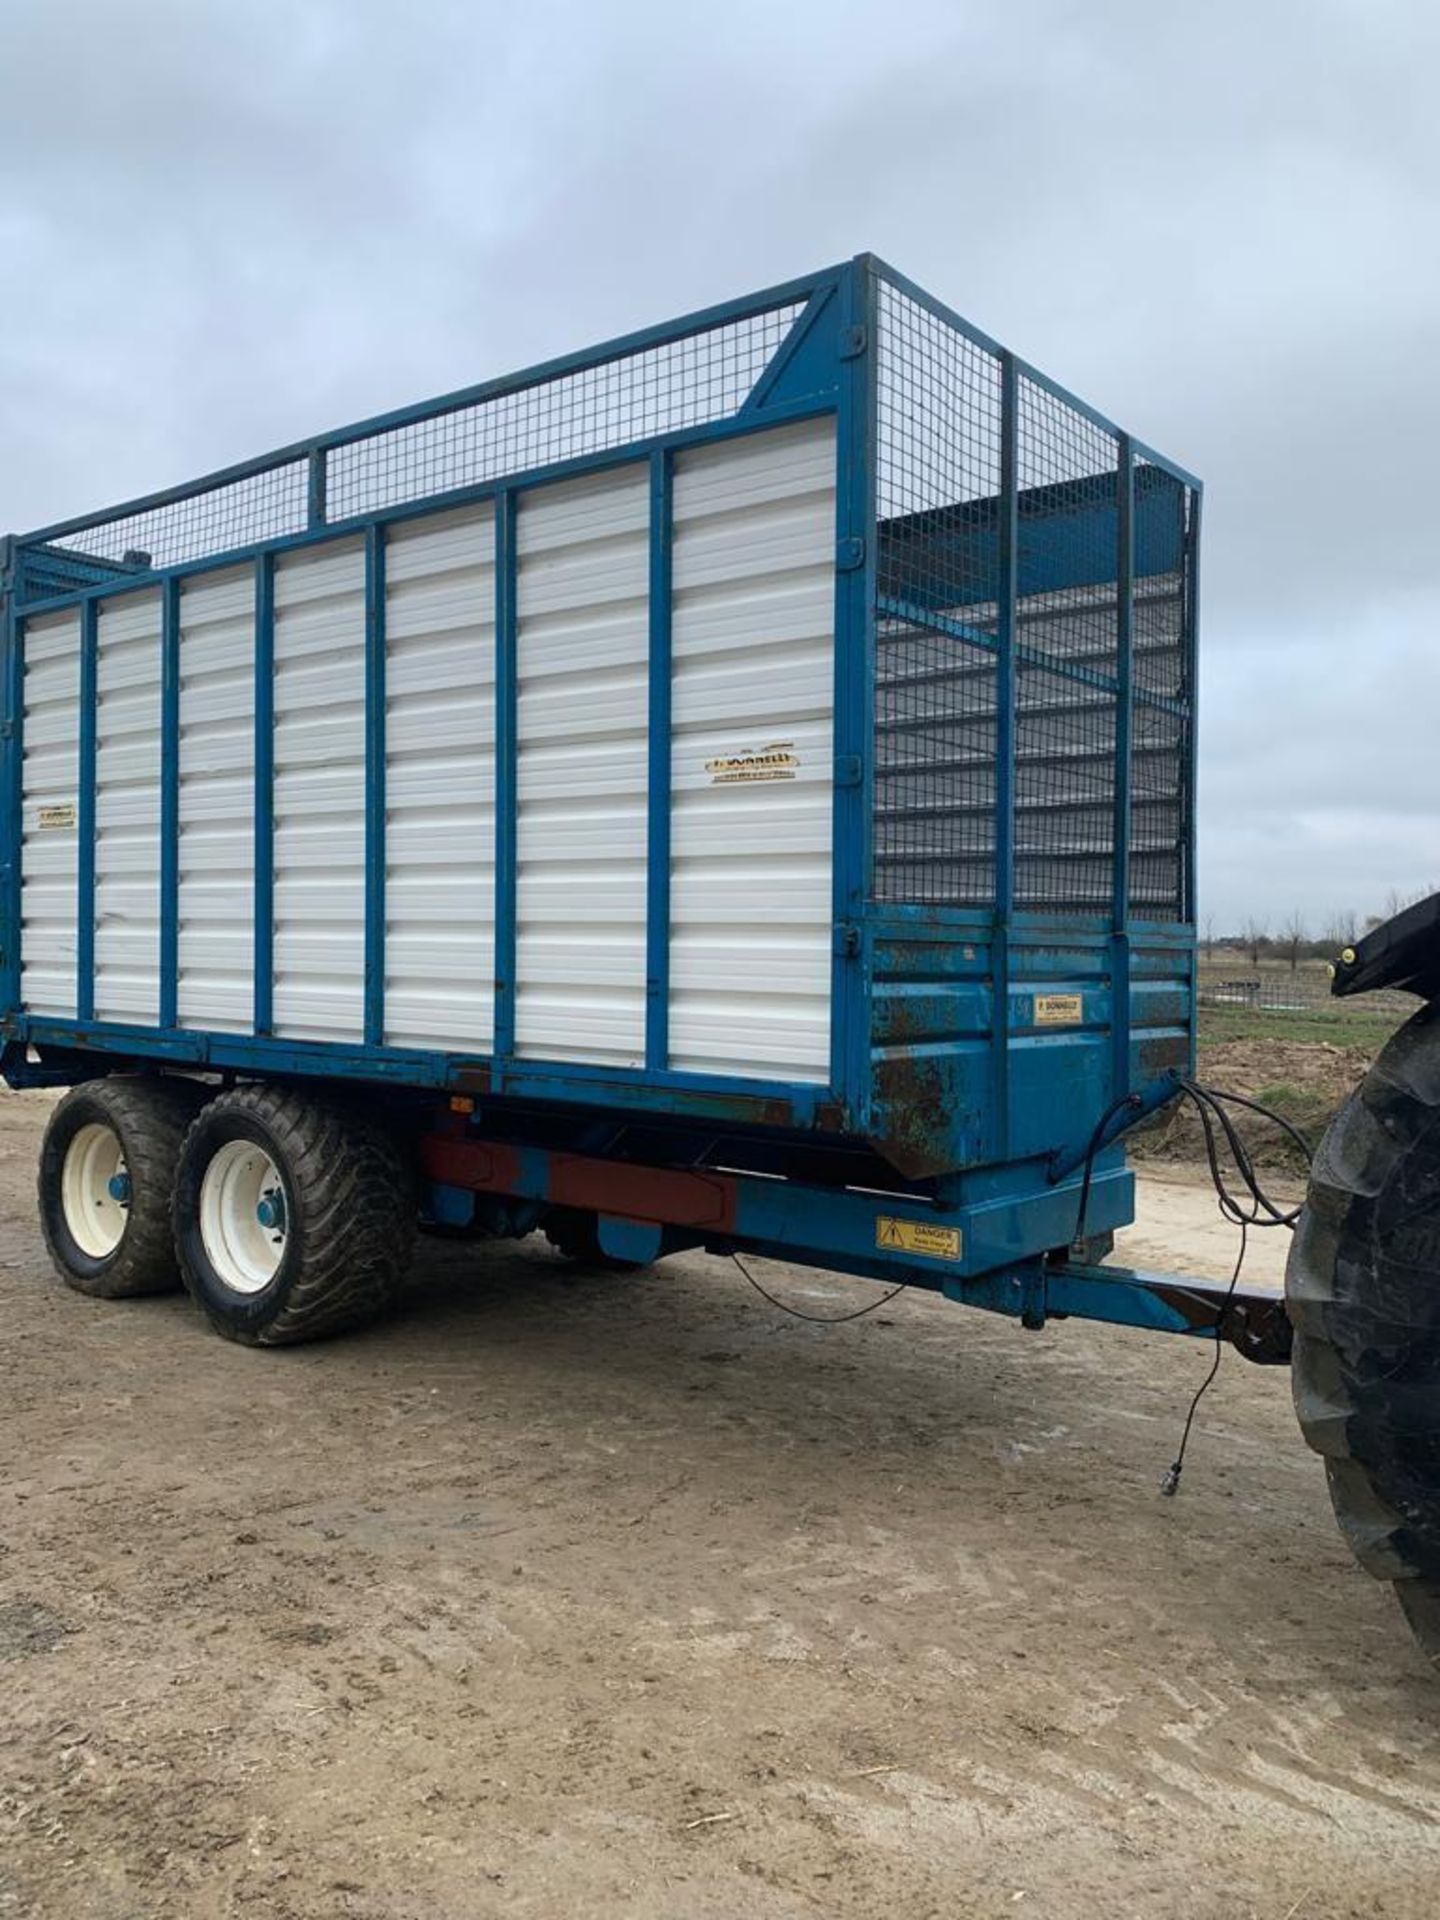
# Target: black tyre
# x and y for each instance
(1363, 1291)
(107, 1173)
(575, 1236)
(294, 1217)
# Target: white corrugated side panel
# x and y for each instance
(753, 646)
(583, 648)
(127, 810)
(320, 792)
(217, 801)
(440, 781)
(50, 778)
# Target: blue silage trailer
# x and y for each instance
(732, 787)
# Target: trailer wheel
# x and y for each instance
(574, 1233)
(107, 1171)
(1363, 1291)
(294, 1217)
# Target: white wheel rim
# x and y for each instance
(95, 1190)
(243, 1216)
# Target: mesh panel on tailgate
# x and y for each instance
(938, 479)
(1066, 624)
(938, 622)
(1159, 728)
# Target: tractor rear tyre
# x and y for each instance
(1363, 1292)
(107, 1170)
(294, 1217)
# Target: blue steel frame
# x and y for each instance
(824, 367)
(1009, 558)
(12, 707)
(264, 794)
(169, 804)
(89, 714)
(506, 745)
(967, 1252)
(657, 816)
(374, 975)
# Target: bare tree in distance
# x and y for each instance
(1396, 902)
(1255, 932)
(1343, 930)
(1293, 936)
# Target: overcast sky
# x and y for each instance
(227, 225)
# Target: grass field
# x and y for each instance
(1302, 1065)
(1337, 1029)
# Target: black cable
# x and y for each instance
(819, 1319)
(1097, 1140)
(1210, 1103)
(1259, 1211)
(1282, 1216)
(1254, 1106)
(1170, 1485)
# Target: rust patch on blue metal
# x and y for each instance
(910, 1097)
(1162, 1053)
(745, 1109)
(670, 1195)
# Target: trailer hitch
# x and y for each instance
(1251, 1320)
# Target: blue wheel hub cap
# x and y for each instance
(270, 1209)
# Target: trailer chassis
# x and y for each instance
(963, 1249)
(971, 1237)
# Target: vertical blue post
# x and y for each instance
(169, 803)
(506, 766)
(1006, 587)
(856, 539)
(1190, 759)
(317, 487)
(657, 818)
(1190, 696)
(374, 786)
(1124, 726)
(265, 794)
(85, 887)
(12, 721)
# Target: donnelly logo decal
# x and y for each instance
(778, 761)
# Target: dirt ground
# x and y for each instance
(598, 1597)
(1180, 1229)
(1303, 1080)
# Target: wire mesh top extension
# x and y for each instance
(663, 388)
(1096, 603)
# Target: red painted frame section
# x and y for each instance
(670, 1196)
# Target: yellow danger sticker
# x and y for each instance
(917, 1236)
(1059, 1009)
(51, 817)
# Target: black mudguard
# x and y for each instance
(1403, 953)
